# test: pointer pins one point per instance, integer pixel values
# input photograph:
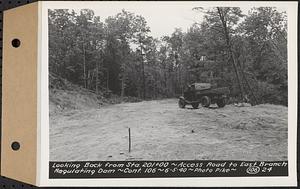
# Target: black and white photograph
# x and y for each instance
(168, 82)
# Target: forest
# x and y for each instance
(117, 55)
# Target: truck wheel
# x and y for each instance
(195, 105)
(221, 102)
(181, 103)
(205, 101)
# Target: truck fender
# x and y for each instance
(181, 98)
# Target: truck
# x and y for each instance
(204, 94)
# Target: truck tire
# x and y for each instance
(221, 102)
(181, 103)
(205, 101)
(195, 105)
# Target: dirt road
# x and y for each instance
(162, 131)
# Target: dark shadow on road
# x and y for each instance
(213, 107)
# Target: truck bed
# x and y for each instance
(220, 91)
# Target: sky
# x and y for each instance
(162, 17)
(162, 20)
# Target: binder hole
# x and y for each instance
(15, 146)
(16, 43)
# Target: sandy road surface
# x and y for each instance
(162, 131)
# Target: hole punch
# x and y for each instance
(16, 43)
(15, 146)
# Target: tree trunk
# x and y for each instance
(84, 67)
(237, 75)
(97, 77)
(232, 57)
(250, 88)
(123, 70)
(143, 74)
(248, 84)
(107, 79)
(122, 87)
(123, 79)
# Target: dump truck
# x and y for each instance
(204, 94)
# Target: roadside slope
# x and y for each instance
(66, 96)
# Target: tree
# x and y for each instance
(175, 43)
(222, 20)
(120, 56)
(141, 39)
(265, 32)
(61, 41)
